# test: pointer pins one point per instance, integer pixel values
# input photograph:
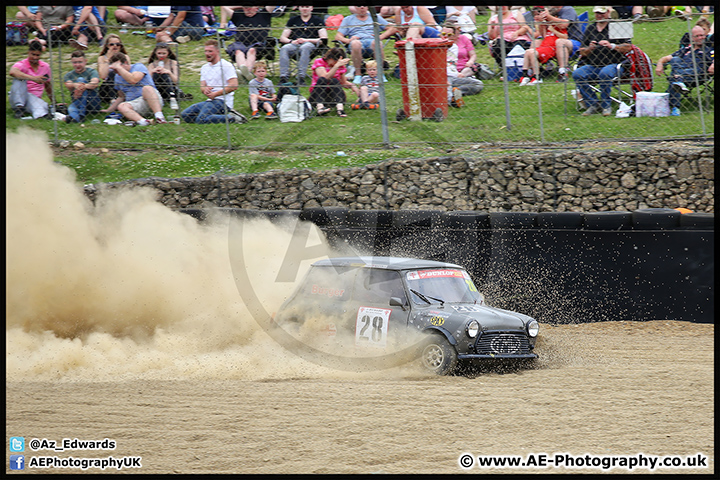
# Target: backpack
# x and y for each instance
(293, 108)
(16, 33)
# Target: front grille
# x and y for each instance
(502, 343)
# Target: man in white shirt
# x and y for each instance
(218, 82)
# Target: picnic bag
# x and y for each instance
(293, 108)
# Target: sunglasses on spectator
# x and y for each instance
(114, 44)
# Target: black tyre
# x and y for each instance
(656, 219)
(698, 221)
(438, 356)
(608, 220)
(560, 220)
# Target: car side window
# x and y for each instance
(376, 286)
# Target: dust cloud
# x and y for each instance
(128, 288)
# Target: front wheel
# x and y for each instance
(438, 356)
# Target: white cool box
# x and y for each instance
(652, 104)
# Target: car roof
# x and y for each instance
(388, 263)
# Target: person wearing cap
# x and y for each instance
(599, 63)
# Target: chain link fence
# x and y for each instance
(503, 112)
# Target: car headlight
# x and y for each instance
(533, 328)
(473, 327)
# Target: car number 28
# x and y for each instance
(371, 326)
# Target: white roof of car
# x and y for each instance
(390, 263)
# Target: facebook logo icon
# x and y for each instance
(17, 462)
(17, 444)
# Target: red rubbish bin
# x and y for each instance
(432, 84)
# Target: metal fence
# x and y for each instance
(503, 112)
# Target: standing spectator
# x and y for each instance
(89, 25)
(600, 61)
(82, 82)
(690, 66)
(112, 45)
(548, 33)
(458, 86)
(54, 23)
(253, 27)
(31, 77)
(357, 33)
(415, 22)
(163, 66)
(302, 35)
(218, 82)
(515, 32)
(184, 23)
(369, 88)
(131, 15)
(329, 80)
(136, 91)
(262, 93)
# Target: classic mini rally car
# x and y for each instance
(385, 302)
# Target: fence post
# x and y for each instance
(381, 78)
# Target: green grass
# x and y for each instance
(196, 150)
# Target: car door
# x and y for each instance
(377, 323)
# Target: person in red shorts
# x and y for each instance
(547, 33)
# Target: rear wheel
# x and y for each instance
(438, 356)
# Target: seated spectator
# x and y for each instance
(112, 45)
(131, 15)
(82, 82)
(302, 35)
(54, 24)
(465, 17)
(369, 88)
(27, 15)
(465, 52)
(262, 93)
(548, 33)
(515, 32)
(415, 22)
(328, 82)
(706, 25)
(185, 23)
(357, 33)
(458, 86)
(163, 66)
(89, 26)
(218, 82)
(137, 94)
(599, 63)
(31, 77)
(690, 66)
(252, 26)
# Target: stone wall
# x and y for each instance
(568, 180)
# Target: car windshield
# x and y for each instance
(442, 285)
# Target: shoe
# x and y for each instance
(357, 79)
(323, 111)
(183, 39)
(372, 106)
(535, 81)
(60, 117)
(654, 12)
(245, 72)
(255, 115)
(77, 45)
(607, 111)
(237, 117)
(524, 81)
(284, 80)
(182, 96)
(457, 100)
(158, 120)
(18, 112)
(681, 86)
(271, 116)
(301, 82)
(591, 110)
(173, 103)
(562, 78)
(341, 112)
(675, 112)
(356, 106)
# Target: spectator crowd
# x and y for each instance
(334, 57)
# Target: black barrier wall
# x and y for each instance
(559, 267)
